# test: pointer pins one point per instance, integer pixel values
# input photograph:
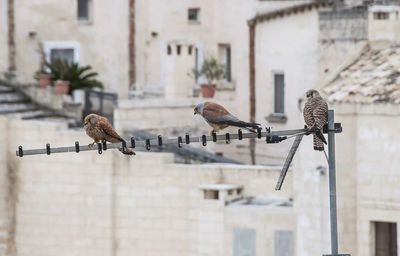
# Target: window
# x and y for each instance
(244, 242)
(279, 84)
(381, 15)
(193, 15)
(225, 59)
(283, 243)
(385, 239)
(196, 63)
(83, 11)
(68, 51)
(65, 54)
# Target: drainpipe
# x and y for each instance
(252, 72)
(132, 71)
(11, 32)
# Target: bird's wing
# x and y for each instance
(217, 114)
(108, 129)
(226, 119)
(320, 114)
(214, 110)
(308, 113)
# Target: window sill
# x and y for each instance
(276, 118)
(84, 22)
(194, 22)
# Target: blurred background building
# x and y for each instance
(214, 200)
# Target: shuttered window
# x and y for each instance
(279, 83)
(83, 10)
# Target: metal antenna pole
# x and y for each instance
(332, 182)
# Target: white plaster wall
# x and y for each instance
(378, 172)
(264, 220)
(293, 51)
(103, 43)
(384, 30)
(3, 37)
(367, 173)
(220, 22)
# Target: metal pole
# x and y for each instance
(332, 182)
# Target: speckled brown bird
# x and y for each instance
(99, 128)
(316, 116)
(219, 118)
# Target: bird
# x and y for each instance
(316, 116)
(99, 128)
(219, 118)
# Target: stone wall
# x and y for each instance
(343, 25)
(112, 204)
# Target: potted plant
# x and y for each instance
(70, 76)
(212, 71)
(43, 78)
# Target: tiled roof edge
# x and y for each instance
(289, 10)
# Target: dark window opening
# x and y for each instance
(193, 14)
(225, 59)
(381, 15)
(196, 63)
(190, 50)
(178, 49)
(83, 10)
(169, 50)
(385, 239)
(279, 85)
(211, 194)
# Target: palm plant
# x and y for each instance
(78, 77)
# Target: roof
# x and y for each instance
(373, 78)
(289, 10)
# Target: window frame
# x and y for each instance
(276, 106)
(380, 15)
(225, 57)
(60, 45)
(197, 10)
(89, 13)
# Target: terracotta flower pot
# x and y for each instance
(44, 80)
(208, 90)
(61, 87)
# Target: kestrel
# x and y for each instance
(99, 128)
(316, 116)
(219, 118)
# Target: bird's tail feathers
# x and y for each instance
(321, 136)
(128, 151)
(250, 130)
(243, 124)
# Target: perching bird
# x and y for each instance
(219, 118)
(316, 116)
(99, 128)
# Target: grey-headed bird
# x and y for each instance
(219, 118)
